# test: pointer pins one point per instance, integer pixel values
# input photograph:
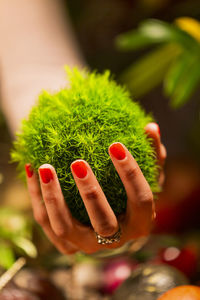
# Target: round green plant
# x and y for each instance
(80, 123)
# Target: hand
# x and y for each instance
(69, 235)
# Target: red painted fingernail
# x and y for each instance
(29, 170)
(118, 151)
(159, 130)
(46, 175)
(79, 168)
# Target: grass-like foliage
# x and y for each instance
(80, 123)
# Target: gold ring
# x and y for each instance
(115, 238)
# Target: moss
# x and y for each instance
(81, 123)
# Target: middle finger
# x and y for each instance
(101, 215)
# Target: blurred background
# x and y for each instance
(152, 47)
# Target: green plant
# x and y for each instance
(175, 61)
(15, 236)
(81, 123)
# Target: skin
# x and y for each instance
(67, 234)
(43, 69)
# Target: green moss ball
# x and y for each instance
(80, 123)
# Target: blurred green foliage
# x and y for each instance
(15, 236)
(174, 59)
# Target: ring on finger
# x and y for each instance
(115, 238)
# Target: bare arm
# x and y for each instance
(36, 42)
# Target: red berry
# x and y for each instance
(115, 272)
(184, 259)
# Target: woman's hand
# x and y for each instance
(69, 235)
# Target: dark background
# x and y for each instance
(97, 24)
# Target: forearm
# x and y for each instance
(35, 43)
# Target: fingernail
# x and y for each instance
(79, 168)
(118, 151)
(29, 170)
(46, 175)
(159, 130)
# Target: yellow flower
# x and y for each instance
(189, 25)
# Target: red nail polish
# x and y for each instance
(29, 170)
(46, 175)
(159, 130)
(118, 151)
(79, 168)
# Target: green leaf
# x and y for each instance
(26, 245)
(7, 257)
(187, 83)
(174, 74)
(178, 70)
(152, 32)
(164, 32)
(133, 40)
(149, 71)
(14, 223)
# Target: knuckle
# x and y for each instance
(50, 199)
(91, 194)
(106, 229)
(146, 198)
(34, 193)
(41, 218)
(131, 173)
(60, 232)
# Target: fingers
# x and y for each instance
(53, 215)
(140, 198)
(129, 172)
(40, 213)
(153, 131)
(163, 154)
(101, 215)
(39, 210)
(59, 215)
(65, 247)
